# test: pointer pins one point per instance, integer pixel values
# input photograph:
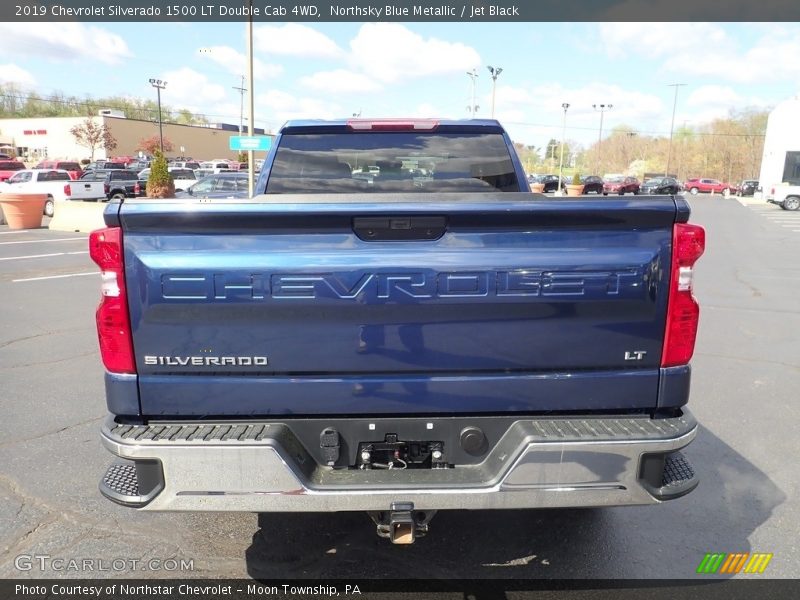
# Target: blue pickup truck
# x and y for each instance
(396, 324)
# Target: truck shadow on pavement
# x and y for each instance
(665, 541)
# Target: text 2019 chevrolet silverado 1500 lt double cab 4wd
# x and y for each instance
(432, 337)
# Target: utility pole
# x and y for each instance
(473, 108)
(159, 85)
(565, 106)
(672, 124)
(601, 108)
(251, 163)
(495, 72)
(241, 91)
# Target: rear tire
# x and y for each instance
(49, 207)
(119, 196)
(791, 203)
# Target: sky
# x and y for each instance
(335, 70)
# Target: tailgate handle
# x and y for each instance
(374, 229)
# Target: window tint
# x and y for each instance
(11, 166)
(54, 176)
(182, 173)
(68, 166)
(20, 177)
(392, 162)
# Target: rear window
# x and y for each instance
(54, 176)
(68, 166)
(124, 174)
(182, 173)
(11, 166)
(392, 162)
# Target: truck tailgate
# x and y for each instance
(441, 304)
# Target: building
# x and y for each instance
(781, 158)
(49, 137)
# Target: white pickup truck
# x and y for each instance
(785, 195)
(56, 183)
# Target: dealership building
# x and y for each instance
(34, 139)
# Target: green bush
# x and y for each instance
(160, 183)
(576, 179)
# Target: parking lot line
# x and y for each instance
(44, 255)
(72, 239)
(54, 277)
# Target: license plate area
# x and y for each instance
(393, 453)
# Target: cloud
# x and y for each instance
(341, 81)
(284, 106)
(65, 41)
(186, 88)
(10, 73)
(391, 53)
(294, 39)
(236, 62)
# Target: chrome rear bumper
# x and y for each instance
(537, 463)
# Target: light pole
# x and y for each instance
(602, 108)
(495, 74)
(565, 106)
(159, 85)
(241, 89)
(672, 125)
(473, 108)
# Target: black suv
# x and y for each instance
(661, 185)
(748, 187)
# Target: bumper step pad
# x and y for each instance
(120, 484)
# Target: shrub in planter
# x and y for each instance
(160, 183)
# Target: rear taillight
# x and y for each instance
(113, 321)
(67, 190)
(106, 188)
(683, 312)
(137, 189)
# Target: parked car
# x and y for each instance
(661, 185)
(184, 164)
(117, 183)
(621, 185)
(220, 185)
(701, 185)
(748, 187)
(70, 166)
(216, 165)
(182, 178)
(551, 182)
(138, 165)
(57, 185)
(104, 164)
(592, 184)
(9, 167)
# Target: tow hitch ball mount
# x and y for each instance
(401, 524)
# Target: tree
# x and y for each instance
(92, 135)
(159, 182)
(150, 144)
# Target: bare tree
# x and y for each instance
(92, 135)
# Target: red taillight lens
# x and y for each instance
(67, 190)
(683, 312)
(106, 188)
(113, 320)
(137, 188)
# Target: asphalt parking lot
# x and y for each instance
(744, 393)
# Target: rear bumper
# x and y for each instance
(535, 463)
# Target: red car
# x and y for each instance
(621, 185)
(71, 167)
(697, 185)
(9, 167)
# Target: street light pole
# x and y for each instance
(602, 108)
(495, 72)
(473, 108)
(672, 124)
(159, 85)
(241, 89)
(565, 106)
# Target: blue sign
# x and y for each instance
(246, 142)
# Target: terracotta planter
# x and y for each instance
(574, 190)
(23, 211)
(537, 188)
